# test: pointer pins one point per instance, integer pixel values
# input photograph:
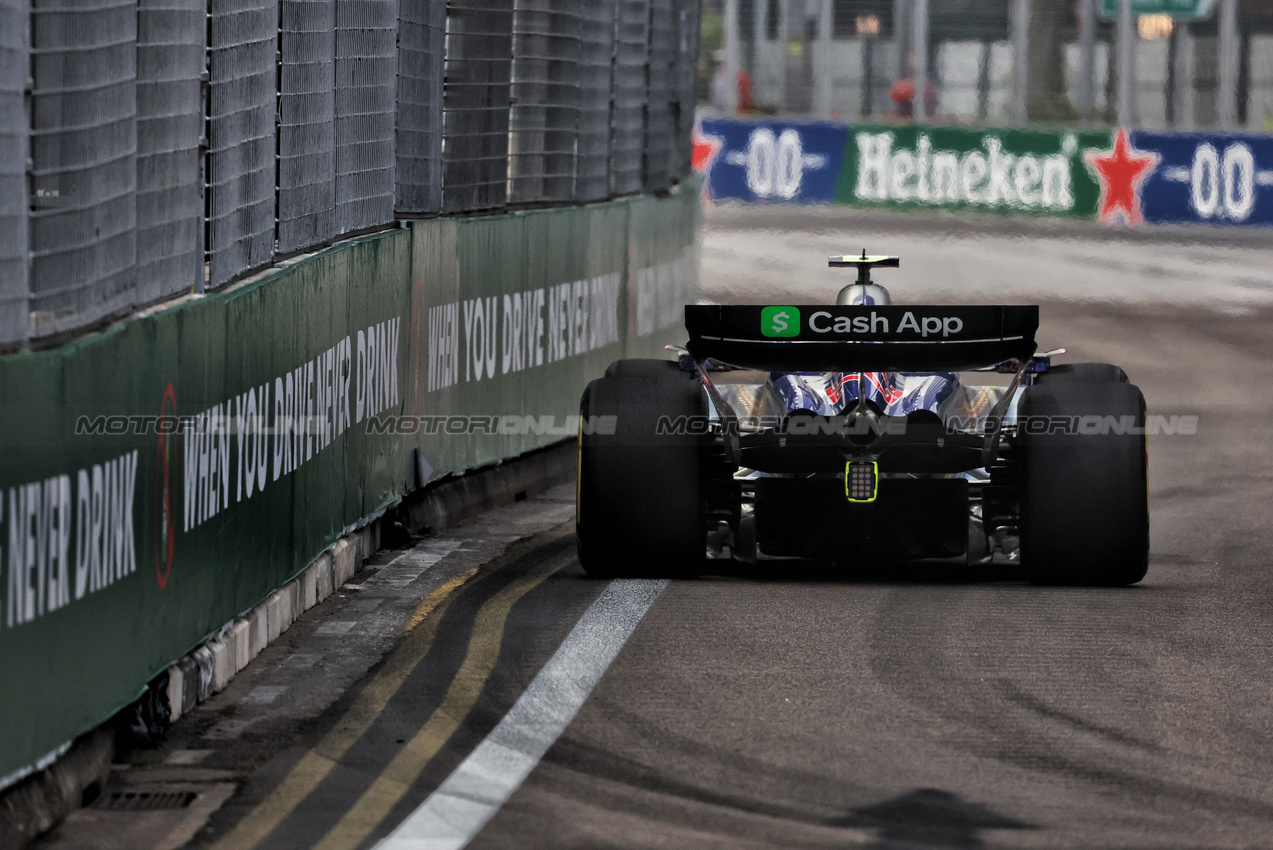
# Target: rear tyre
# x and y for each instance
(1083, 373)
(1084, 492)
(639, 506)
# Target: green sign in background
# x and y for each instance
(1032, 172)
(80, 637)
(1182, 10)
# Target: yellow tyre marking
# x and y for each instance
(314, 766)
(399, 775)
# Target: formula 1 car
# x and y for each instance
(844, 433)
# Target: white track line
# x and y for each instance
(484, 781)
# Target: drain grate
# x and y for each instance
(136, 801)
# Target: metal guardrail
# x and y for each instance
(150, 148)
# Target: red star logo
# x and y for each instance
(703, 153)
(705, 148)
(1122, 172)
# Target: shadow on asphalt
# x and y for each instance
(927, 817)
(876, 572)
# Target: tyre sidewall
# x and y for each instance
(1084, 507)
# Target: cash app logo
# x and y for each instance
(780, 321)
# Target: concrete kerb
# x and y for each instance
(40, 801)
(259, 628)
(205, 663)
(309, 587)
(176, 689)
(240, 640)
(278, 607)
(36, 804)
(323, 576)
(222, 663)
(188, 696)
(345, 561)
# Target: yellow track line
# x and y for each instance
(399, 775)
(314, 766)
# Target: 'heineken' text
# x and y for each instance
(993, 178)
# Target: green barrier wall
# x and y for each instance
(161, 478)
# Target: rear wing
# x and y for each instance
(825, 338)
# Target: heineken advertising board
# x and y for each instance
(772, 160)
(1107, 176)
(1212, 178)
(1014, 171)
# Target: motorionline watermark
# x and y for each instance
(499, 424)
(120, 425)
(566, 426)
(826, 426)
(1092, 425)
(504, 425)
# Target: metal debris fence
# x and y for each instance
(14, 249)
(421, 65)
(153, 148)
(306, 124)
(83, 168)
(366, 94)
(170, 63)
(628, 116)
(242, 137)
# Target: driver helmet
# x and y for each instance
(863, 294)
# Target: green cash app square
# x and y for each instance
(780, 321)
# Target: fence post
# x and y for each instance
(822, 81)
(1126, 33)
(784, 36)
(1184, 72)
(919, 42)
(15, 124)
(732, 60)
(901, 36)
(1020, 60)
(1227, 94)
(759, 40)
(1087, 52)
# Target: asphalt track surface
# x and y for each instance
(790, 708)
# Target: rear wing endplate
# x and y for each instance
(896, 338)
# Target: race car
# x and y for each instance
(848, 433)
